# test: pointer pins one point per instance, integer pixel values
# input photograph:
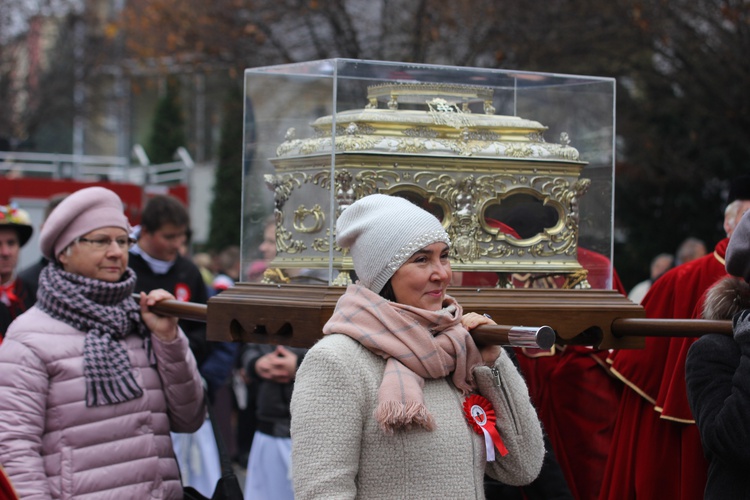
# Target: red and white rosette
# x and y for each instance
(481, 417)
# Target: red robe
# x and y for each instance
(6, 489)
(574, 394)
(576, 400)
(656, 448)
(576, 397)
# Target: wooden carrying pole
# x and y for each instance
(519, 336)
(542, 337)
(643, 327)
(182, 310)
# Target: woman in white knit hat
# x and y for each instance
(91, 381)
(396, 401)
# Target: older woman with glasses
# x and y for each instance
(91, 381)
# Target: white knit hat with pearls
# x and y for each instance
(382, 232)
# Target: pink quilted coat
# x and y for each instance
(53, 446)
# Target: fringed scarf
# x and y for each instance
(107, 313)
(418, 344)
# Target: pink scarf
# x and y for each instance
(417, 344)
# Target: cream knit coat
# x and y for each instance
(338, 450)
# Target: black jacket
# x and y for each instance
(717, 372)
(31, 275)
(273, 399)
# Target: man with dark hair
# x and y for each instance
(156, 258)
(15, 293)
(158, 263)
(162, 210)
(656, 449)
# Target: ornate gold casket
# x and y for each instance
(507, 198)
(489, 152)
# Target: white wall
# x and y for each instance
(201, 194)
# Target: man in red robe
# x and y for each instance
(656, 450)
(575, 395)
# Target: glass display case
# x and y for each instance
(518, 166)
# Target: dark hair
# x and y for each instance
(162, 210)
(387, 292)
(53, 202)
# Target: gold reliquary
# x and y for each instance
(508, 198)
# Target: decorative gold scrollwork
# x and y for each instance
(578, 279)
(283, 185)
(273, 276)
(369, 181)
(302, 213)
(354, 142)
(421, 132)
(411, 145)
(321, 245)
(286, 243)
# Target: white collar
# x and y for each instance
(156, 265)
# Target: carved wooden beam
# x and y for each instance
(542, 337)
(295, 314)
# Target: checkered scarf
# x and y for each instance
(417, 344)
(107, 313)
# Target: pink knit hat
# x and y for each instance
(78, 214)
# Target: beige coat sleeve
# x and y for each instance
(327, 420)
(517, 422)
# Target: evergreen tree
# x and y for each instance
(226, 207)
(168, 128)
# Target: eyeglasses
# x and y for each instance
(104, 243)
